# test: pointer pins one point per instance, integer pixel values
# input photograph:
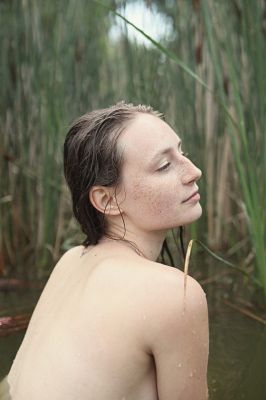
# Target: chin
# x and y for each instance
(192, 215)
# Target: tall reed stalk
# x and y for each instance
(232, 48)
(58, 61)
(50, 76)
(239, 60)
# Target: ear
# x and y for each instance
(103, 199)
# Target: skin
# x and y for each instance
(99, 331)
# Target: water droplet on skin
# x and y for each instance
(144, 317)
(179, 365)
(191, 374)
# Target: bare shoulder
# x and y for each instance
(168, 284)
(175, 298)
(159, 281)
(179, 306)
(75, 251)
(170, 311)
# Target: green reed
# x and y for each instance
(234, 80)
(49, 78)
(236, 42)
(58, 62)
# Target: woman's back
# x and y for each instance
(85, 339)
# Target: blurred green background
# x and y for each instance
(205, 70)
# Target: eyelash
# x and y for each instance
(165, 166)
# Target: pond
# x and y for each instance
(237, 361)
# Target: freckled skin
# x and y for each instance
(153, 199)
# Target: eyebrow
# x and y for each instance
(165, 151)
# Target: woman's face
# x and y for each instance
(157, 179)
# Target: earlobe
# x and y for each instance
(104, 200)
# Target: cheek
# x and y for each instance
(152, 199)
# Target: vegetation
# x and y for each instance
(208, 77)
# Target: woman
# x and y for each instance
(111, 323)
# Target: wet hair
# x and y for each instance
(92, 157)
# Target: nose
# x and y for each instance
(191, 173)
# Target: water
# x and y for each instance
(237, 361)
(11, 303)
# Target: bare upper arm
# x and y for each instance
(179, 339)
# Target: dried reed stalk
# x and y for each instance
(186, 270)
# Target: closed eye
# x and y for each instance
(164, 167)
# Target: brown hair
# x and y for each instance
(92, 157)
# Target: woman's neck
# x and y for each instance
(146, 244)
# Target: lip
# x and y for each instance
(193, 198)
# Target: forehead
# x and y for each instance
(144, 136)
